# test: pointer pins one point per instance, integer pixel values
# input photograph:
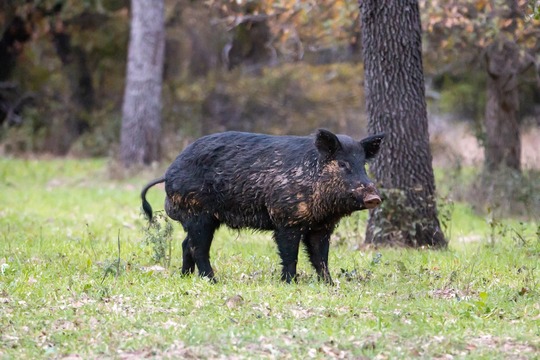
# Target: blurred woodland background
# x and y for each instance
(283, 67)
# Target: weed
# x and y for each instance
(376, 259)
(158, 234)
(113, 267)
(445, 206)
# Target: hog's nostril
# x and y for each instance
(371, 201)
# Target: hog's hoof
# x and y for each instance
(289, 278)
(211, 279)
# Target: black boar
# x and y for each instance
(299, 187)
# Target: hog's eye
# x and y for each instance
(344, 165)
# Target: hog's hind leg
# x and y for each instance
(288, 241)
(199, 239)
(188, 262)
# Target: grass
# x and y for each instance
(77, 280)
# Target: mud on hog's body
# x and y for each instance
(297, 186)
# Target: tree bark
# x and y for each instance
(395, 99)
(141, 111)
(503, 143)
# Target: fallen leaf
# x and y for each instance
(234, 301)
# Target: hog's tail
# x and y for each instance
(145, 204)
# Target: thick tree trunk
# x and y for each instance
(503, 144)
(141, 112)
(395, 97)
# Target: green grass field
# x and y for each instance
(78, 281)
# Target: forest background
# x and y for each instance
(265, 66)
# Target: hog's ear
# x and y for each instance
(327, 143)
(371, 145)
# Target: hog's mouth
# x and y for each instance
(366, 199)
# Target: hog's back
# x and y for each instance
(243, 179)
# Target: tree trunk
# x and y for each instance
(141, 112)
(395, 99)
(503, 144)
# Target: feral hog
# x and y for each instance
(298, 187)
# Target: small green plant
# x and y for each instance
(497, 229)
(158, 234)
(113, 267)
(446, 207)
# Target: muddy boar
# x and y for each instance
(297, 186)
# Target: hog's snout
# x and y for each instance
(371, 201)
(368, 196)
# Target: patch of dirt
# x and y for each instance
(508, 346)
(176, 351)
(451, 293)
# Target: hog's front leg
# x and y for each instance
(317, 245)
(288, 241)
